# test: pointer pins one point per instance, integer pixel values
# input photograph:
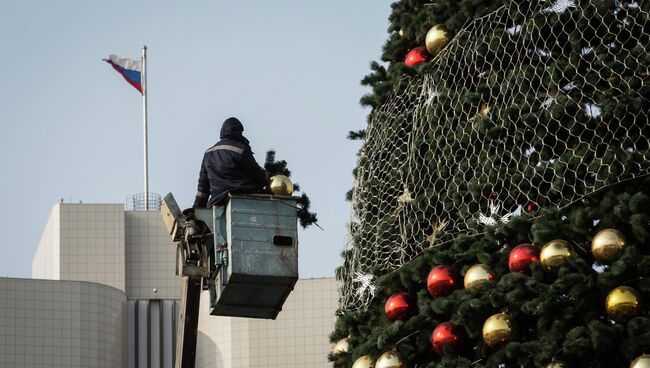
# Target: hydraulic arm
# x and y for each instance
(193, 237)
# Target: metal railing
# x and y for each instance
(136, 202)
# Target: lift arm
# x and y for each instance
(188, 323)
(191, 236)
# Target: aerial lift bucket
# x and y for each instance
(245, 253)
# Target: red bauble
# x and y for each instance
(400, 306)
(442, 280)
(417, 56)
(521, 257)
(447, 336)
(532, 207)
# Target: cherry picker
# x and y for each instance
(245, 254)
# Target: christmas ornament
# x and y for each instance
(560, 6)
(366, 289)
(342, 346)
(641, 362)
(417, 56)
(400, 306)
(623, 303)
(477, 275)
(554, 254)
(532, 207)
(484, 111)
(280, 185)
(521, 257)
(364, 361)
(493, 218)
(447, 336)
(401, 32)
(442, 280)
(497, 330)
(390, 359)
(607, 245)
(557, 364)
(436, 39)
(436, 228)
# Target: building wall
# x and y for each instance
(215, 338)
(102, 243)
(45, 263)
(150, 258)
(83, 242)
(92, 243)
(61, 324)
(152, 333)
(297, 338)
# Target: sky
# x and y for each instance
(71, 127)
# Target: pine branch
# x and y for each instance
(357, 135)
(273, 167)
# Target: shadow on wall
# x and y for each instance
(208, 354)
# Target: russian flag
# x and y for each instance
(131, 70)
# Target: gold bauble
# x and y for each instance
(364, 362)
(280, 185)
(401, 32)
(390, 359)
(607, 245)
(484, 111)
(554, 254)
(477, 275)
(497, 330)
(436, 39)
(341, 346)
(641, 362)
(557, 364)
(623, 303)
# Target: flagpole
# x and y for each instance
(144, 114)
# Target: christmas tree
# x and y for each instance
(501, 210)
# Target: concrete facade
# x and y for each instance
(43, 264)
(83, 242)
(61, 324)
(150, 258)
(152, 333)
(128, 250)
(297, 338)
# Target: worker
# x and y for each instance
(228, 167)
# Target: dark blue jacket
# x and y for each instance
(228, 166)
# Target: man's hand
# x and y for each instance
(201, 200)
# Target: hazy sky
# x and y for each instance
(72, 127)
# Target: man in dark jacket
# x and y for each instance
(228, 166)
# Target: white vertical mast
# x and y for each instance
(144, 116)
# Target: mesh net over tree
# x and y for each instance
(538, 104)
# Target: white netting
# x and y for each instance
(539, 102)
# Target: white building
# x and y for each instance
(46, 323)
(298, 338)
(119, 302)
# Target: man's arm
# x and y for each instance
(203, 188)
(251, 169)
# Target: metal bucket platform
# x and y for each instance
(258, 267)
(250, 256)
